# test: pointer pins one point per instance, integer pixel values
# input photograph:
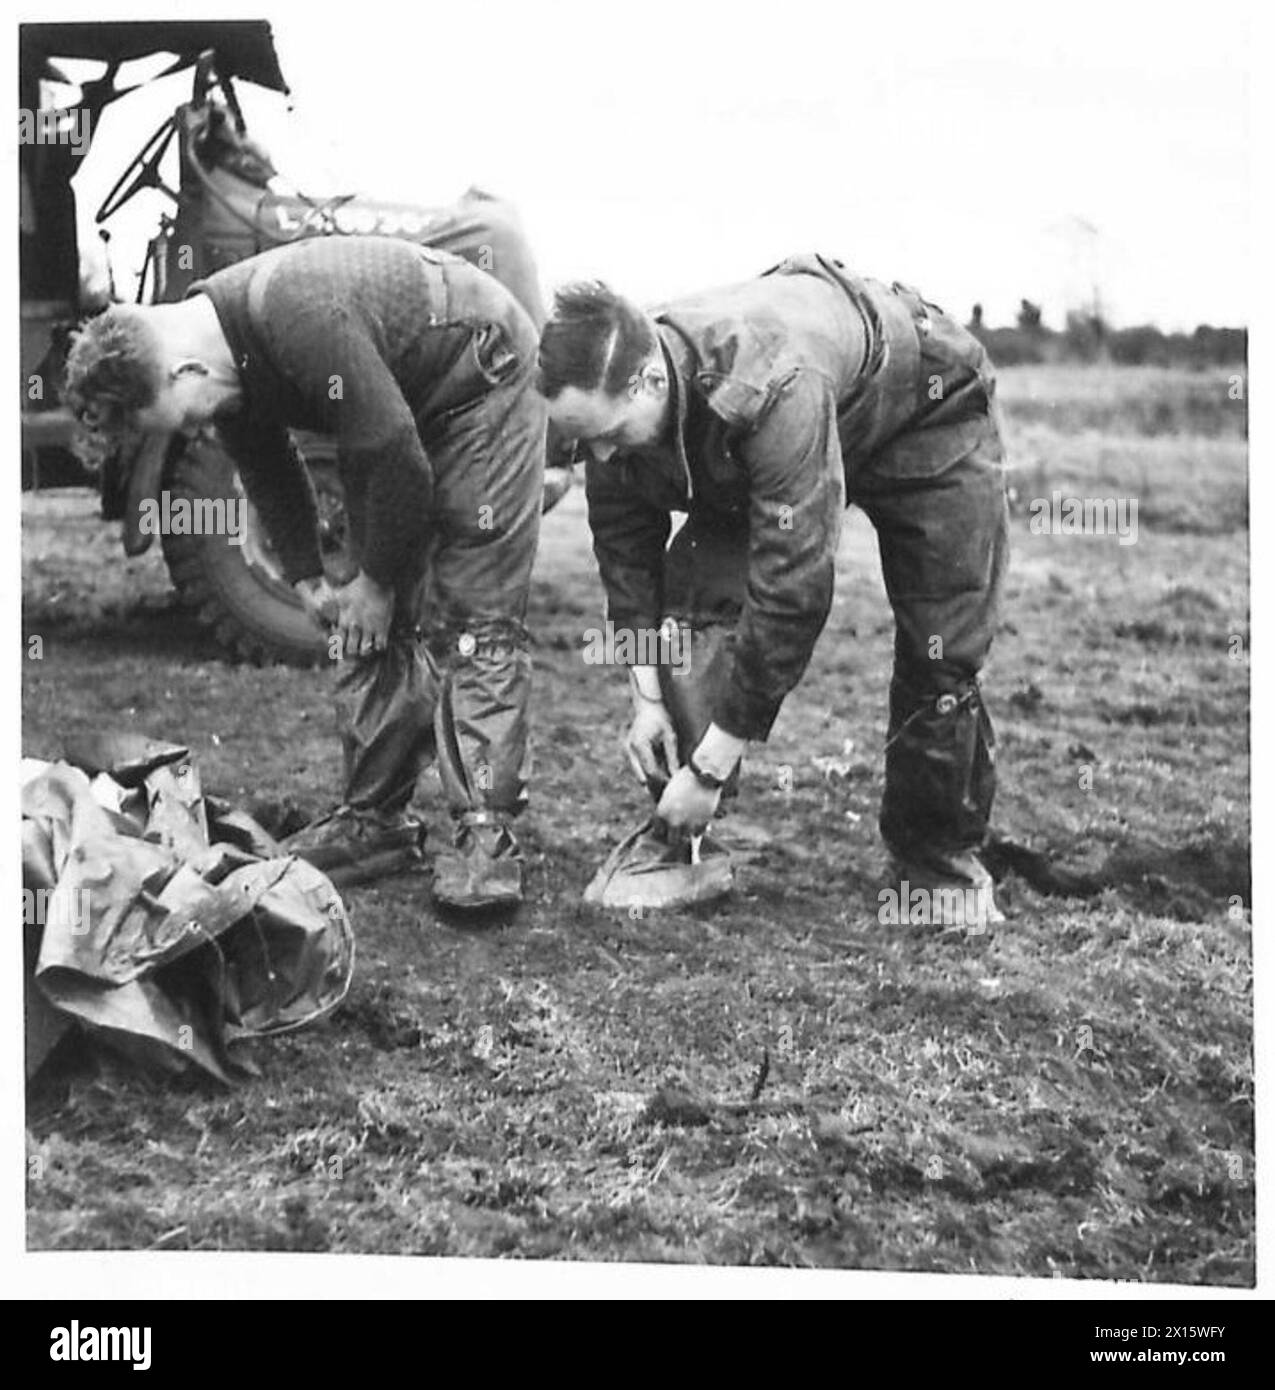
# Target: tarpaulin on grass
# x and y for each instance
(163, 920)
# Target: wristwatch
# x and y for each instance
(705, 779)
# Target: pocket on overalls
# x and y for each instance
(495, 355)
(955, 369)
(952, 404)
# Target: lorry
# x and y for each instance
(226, 201)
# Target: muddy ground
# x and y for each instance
(781, 1080)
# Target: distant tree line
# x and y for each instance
(1089, 338)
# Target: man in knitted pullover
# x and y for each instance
(421, 366)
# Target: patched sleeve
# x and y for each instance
(796, 501)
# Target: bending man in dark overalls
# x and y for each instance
(761, 410)
(421, 367)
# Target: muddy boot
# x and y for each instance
(353, 846)
(483, 868)
(949, 890)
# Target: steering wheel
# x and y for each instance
(142, 172)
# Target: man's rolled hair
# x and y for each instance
(594, 340)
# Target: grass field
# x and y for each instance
(1071, 1096)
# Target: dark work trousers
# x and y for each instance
(944, 540)
(456, 680)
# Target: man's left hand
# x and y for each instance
(364, 610)
(687, 805)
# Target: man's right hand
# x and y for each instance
(652, 742)
(319, 599)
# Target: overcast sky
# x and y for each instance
(982, 152)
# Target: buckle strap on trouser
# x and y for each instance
(485, 637)
(945, 704)
(940, 775)
(404, 708)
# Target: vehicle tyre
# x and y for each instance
(237, 590)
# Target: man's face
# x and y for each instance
(604, 424)
(184, 403)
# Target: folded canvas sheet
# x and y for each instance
(164, 921)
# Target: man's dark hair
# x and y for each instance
(595, 340)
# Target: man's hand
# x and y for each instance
(364, 611)
(318, 597)
(652, 742)
(687, 805)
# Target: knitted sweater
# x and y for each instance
(362, 338)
